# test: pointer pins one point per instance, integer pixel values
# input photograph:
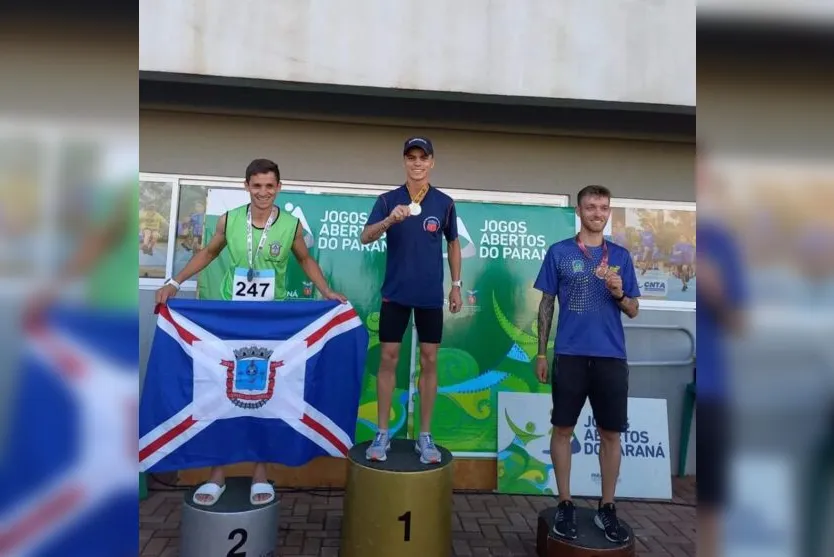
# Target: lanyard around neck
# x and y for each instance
(602, 269)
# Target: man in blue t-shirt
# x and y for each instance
(416, 217)
(721, 298)
(594, 282)
(682, 259)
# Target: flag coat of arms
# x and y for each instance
(232, 382)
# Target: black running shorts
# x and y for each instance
(394, 319)
(603, 381)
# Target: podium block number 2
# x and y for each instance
(406, 520)
(235, 551)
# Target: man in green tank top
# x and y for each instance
(259, 237)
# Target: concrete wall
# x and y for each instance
(626, 51)
(321, 151)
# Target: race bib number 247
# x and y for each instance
(260, 289)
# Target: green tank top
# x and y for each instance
(274, 256)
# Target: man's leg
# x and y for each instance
(711, 445)
(429, 324)
(560, 454)
(386, 382)
(217, 477)
(259, 476)
(569, 381)
(609, 399)
(428, 383)
(610, 456)
(393, 320)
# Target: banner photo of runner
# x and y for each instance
(661, 238)
(154, 212)
(191, 214)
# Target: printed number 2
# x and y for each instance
(406, 518)
(233, 552)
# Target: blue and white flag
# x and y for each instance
(69, 481)
(232, 382)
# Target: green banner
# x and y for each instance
(487, 347)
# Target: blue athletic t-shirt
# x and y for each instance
(414, 261)
(716, 246)
(590, 321)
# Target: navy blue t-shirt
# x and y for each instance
(589, 322)
(414, 261)
(716, 245)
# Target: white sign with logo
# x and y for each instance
(645, 469)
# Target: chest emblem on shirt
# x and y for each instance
(274, 249)
(578, 265)
(431, 224)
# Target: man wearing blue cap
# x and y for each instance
(416, 217)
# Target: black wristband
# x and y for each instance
(621, 298)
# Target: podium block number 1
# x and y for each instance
(406, 520)
(235, 551)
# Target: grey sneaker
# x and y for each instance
(425, 447)
(378, 450)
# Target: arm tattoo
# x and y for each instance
(375, 231)
(546, 307)
(629, 306)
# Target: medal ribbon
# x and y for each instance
(420, 195)
(603, 264)
(252, 256)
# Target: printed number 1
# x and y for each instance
(406, 518)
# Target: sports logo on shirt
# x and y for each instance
(250, 379)
(275, 249)
(431, 224)
(578, 265)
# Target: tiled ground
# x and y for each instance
(483, 524)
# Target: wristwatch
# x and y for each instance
(173, 283)
(457, 283)
(621, 298)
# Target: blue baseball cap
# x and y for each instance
(419, 142)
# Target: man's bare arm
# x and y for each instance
(454, 258)
(309, 265)
(373, 232)
(546, 308)
(629, 306)
(204, 257)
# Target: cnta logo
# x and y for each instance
(654, 287)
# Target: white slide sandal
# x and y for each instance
(211, 489)
(261, 488)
